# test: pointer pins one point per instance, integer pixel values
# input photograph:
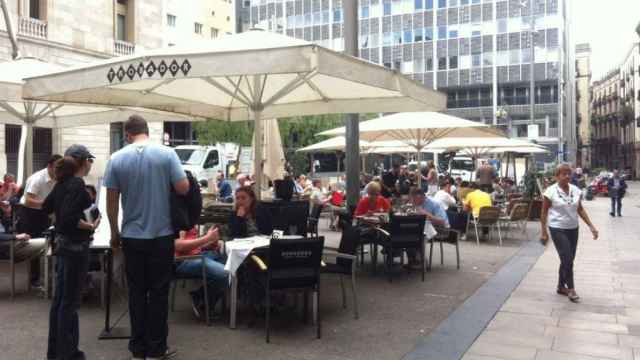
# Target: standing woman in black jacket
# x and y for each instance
(68, 201)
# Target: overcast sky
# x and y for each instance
(609, 26)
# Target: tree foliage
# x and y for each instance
(296, 132)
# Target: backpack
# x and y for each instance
(186, 209)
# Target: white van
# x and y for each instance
(204, 162)
(463, 167)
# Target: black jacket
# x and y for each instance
(238, 225)
(68, 200)
(621, 191)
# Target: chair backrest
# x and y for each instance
(407, 229)
(294, 263)
(489, 215)
(519, 212)
(348, 243)
(316, 210)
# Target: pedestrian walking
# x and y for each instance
(141, 175)
(617, 188)
(561, 208)
(73, 232)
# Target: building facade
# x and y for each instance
(615, 116)
(477, 51)
(72, 32)
(583, 105)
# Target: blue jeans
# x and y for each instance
(71, 272)
(616, 205)
(217, 276)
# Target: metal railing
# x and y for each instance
(121, 48)
(553, 132)
(32, 27)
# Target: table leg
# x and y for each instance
(234, 302)
(107, 293)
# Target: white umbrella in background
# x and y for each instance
(335, 144)
(418, 130)
(253, 75)
(28, 113)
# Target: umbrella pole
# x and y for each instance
(258, 151)
(25, 152)
(419, 159)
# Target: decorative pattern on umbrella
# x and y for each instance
(173, 67)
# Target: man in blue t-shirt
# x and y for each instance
(141, 175)
(225, 193)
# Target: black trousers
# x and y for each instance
(566, 242)
(71, 273)
(616, 205)
(149, 270)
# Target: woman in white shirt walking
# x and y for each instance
(561, 208)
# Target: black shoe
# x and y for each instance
(619, 215)
(612, 214)
(196, 304)
(169, 354)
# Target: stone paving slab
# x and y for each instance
(535, 323)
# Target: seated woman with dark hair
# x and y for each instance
(249, 218)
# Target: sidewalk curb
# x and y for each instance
(453, 337)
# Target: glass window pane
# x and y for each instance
(442, 32)
(487, 59)
(418, 66)
(464, 2)
(337, 15)
(428, 33)
(514, 56)
(453, 62)
(417, 35)
(429, 64)
(442, 4)
(407, 67)
(428, 4)
(387, 8)
(465, 62)
(397, 38)
(442, 63)
(408, 36)
(387, 39)
(453, 34)
(453, 3)
(364, 12)
(418, 4)
(476, 60)
(502, 26)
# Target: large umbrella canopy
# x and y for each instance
(419, 129)
(337, 143)
(251, 75)
(476, 147)
(29, 113)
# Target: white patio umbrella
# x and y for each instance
(418, 130)
(252, 75)
(478, 146)
(29, 113)
(334, 144)
(273, 159)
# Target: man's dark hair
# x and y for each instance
(136, 125)
(416, 191)
(474, 186)
(464, 184)
(395, 166)
(444, 183)
(53, 159)
(92, 189)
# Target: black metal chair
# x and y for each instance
(313, 220)
(203, 277)
(293, 265)
(404, 233)
(344, 263)
(445, 236)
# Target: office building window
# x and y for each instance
(418, 4)
(428, 33)
(387, 39)
(428, 4)
(502, 26)
(407, 67)
(364, 12)
(453, 3)
(429, 64)
(476, 33)
(408, 36)
(171, 20)
(453, 34)
(476, 60)
(464, 2)
(442, 63)
(442, 32)
(417, 35)
(214, 33)
(337, 15)
(386, 8)
(397, 38)
(453, 62)
(364, 41)
(442, 4)
(197, 28)
(418, 66)
(475, 1)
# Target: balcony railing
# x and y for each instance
(121, 48)
(32, 27)
(553, 132)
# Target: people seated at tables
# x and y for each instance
(302, 186)
(225, 193)
(476, 199)
(456, 186)
(8, 190)
(217, 278)
(249, 218)
(317, 197)
(463, 190)
(497, 195)
(390, 180)
(444, 197)
(373, 202)
(336, 203)
(432, 209)
(405, 182)
(508, 186)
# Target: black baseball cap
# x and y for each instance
(79, 152)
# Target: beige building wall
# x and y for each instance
(583, 102)
(215, 18)
(71, 32)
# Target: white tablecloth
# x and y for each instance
(239, 249)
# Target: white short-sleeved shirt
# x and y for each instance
(444, 199)
(563, 213)
(38, 184)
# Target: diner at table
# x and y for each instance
(249, 217)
